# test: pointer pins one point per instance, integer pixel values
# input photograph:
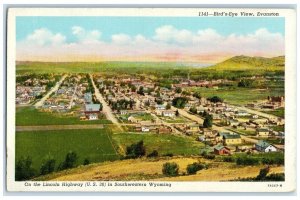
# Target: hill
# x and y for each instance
(242, 62)
(151, 169)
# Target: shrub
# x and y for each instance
(193, 168)
(228, 159)
(275, 177)
(136, 150)
(153, 154)
(247, 161)
(168, 155)
(170, 169)
(48, 166)
(209, 156)
(23, 169)
(263, 173)
(86, 161)
(69, 162)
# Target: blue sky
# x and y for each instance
(145, 25)
(176, 39)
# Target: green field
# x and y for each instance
(93, 144)
(164, 144)
(278, 112)
(239, 96)
(30, 116)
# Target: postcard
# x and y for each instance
(151, 100)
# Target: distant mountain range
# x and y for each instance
(251, 63)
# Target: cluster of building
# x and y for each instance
(31, 89)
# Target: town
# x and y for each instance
(136, 104)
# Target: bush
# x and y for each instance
(170, 169)
(228, 159)
(168, 155)
(275, 177)
(209, 156)
(247, 161)
(193, 168)
(86, 161)
(48, 166)
(69, 162)
(153, 154)
(136, 150)
(24, 170)
(273, 161)
(263, 173)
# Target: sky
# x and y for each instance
(162, 39)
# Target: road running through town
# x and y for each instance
(53, 89)
(105, 108)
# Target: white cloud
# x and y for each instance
(121, 39)
(167, 42)
(86, 36)
(43, 37)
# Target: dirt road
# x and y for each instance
(53, 89)
(58, 127)
(106, 109)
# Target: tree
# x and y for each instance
(215, 99)
(193, 168)
(48, 166)
(168, 106)
(177, 113)
(170, 169)
(178, 90)
(179, 102)
(23, 169)
(86, 161)
(263, 173)
(193, 110)
(153, 154)
(197, 95)
(141, 91)
(136, 150)
(70, 161)
(208, 122)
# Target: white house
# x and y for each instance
(145, 129)
(263, 146)
(168, 113)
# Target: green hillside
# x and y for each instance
(251, 63)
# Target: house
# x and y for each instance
(133, 119)
(123, 112)
(221, 150)
(241, 113)
(262, 132)
(91, 111)
(160, 107)
(264, 146)
(231, 139)
(164, 129)
(168, 113)
(145, 129)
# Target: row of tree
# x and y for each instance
(25, 171)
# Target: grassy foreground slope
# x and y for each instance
(93, 144)
(147, 169)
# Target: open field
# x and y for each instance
(93, 67)
(239, 96)
(278, 112)
(30, 116)
(163, 143)
(147, 169)
(93, 144)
